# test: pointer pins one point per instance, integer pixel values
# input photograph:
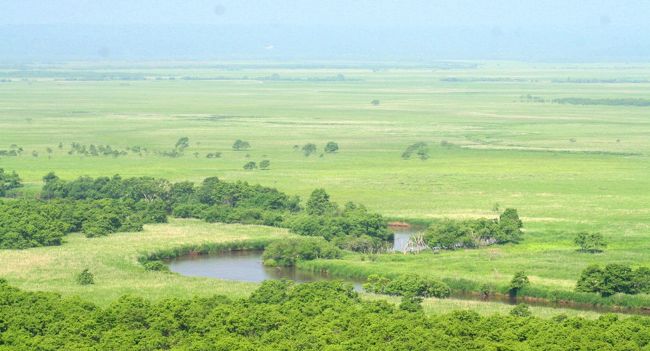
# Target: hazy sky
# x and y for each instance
(336, 29)
(376, 12)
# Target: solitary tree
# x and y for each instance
(518, 282)
(319, 203)
(85, 277)
(510, 225)
(375, 102)
(239, 145)
(309, 149)
(265, 164)
(250, 166)
(49, 152)
(331, 147)
(182, 143)
(590, 242)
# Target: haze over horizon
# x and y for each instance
(553, 30)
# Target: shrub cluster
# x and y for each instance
(353, 227)
(407, 284)
(614, 278)
(30, 223)
(95, 150)
(455, 234)
(8, 181)
(289, 251)
(285, 316)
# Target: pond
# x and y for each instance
(247, 265)
(244, 266)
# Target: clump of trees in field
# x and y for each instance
(407, 285)
(309, 149)
(420, 150)
(452, 234)
(103, 205)
(179, 148)
(590, 242)
(289, 251)
(8, 181)
(282, 315)
(353, 227)
(604, 102)
(95, 150)
(331, 147)
(614, 278)
(240, 145)
(13, 151)
(249, 166)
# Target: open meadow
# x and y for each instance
(495, 139)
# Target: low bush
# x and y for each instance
(85, 278)
(406, 284)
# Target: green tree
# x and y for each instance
(331, 147)
(8, 181)
(591, 279)
(590, 242)
(249, 166)
(375, 102)
(239, 145)
(182, 143)
(319, 203)
(265, 164)
(518, 282)
(510, 225)
(85, 277)
(308, 149)
(617, 278)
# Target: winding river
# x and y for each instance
(247, 266)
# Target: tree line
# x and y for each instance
(281, 315)
(102, 205)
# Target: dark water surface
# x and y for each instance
(244, 266)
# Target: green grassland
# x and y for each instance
(566, 168)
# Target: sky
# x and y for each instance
(346, 30)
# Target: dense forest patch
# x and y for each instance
(103, 205)
(283, 315)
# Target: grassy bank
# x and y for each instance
(114, 262)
